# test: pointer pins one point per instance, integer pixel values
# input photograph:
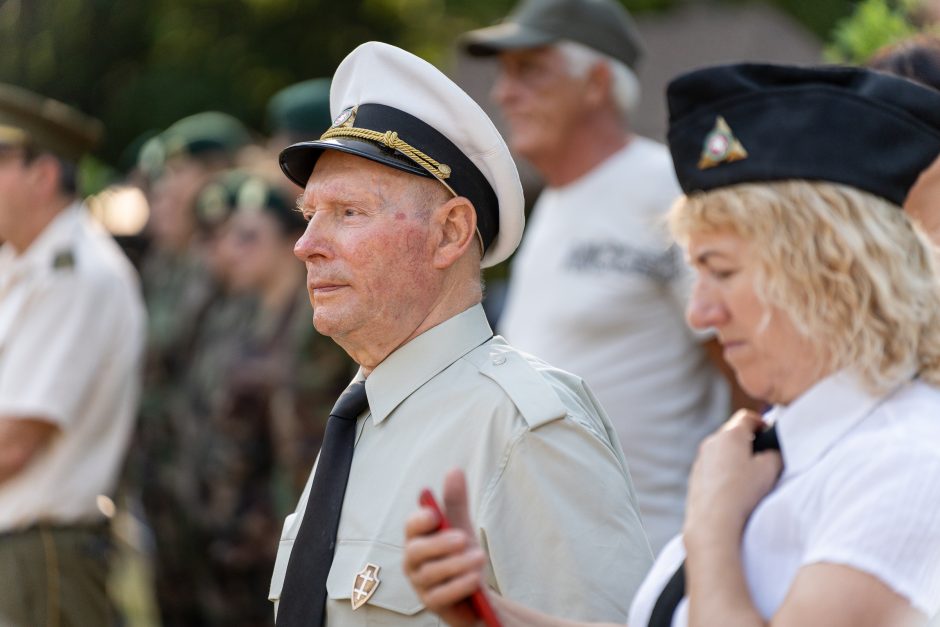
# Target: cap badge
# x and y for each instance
(364, 585)
(721, 146)
(346, 118)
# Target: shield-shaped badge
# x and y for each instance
(367, 580)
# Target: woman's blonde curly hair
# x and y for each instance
(849, 268)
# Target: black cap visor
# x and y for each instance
(297, 161)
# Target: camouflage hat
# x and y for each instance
(209, 132)
(301, 109)
(30, 120)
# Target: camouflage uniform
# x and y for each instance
(178, 292)
(260, 391)
(181, 295)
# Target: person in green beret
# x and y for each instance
(257, 390)
(71, 339)
(178, 289)
(299, 112)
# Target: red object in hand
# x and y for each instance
(479, 602)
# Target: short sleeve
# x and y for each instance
(55, 352)
(584, 552)
(884, 519)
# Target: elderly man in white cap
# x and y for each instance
(408, 194)
(598, 287)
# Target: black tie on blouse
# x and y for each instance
(672, 594)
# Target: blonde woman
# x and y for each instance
(827, 302)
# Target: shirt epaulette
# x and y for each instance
(533, 396)
(63, 260)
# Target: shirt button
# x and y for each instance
(499, 361)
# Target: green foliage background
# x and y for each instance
(139, 65)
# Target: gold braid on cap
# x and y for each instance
(440, 171)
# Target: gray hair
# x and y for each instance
(625, 87)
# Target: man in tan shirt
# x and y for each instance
(408, 195)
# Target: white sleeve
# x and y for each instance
(884, 519)
(55, 353)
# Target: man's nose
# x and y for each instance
(502, 88)
(313, 242)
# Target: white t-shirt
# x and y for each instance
(599, 289)
(71, 337)
(860, 487)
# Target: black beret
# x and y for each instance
(743, 123)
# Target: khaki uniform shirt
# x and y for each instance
(549, 490)
(72, 330)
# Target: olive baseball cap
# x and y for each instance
(603, 25)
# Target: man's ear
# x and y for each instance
(46, 173)
(456, 220)
(599, 83)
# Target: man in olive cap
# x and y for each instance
(597, 287)
(71, 337)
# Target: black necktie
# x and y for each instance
(672, 594)
(303, 597)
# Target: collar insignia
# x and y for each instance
(64, 259)
(721, 146)
(364, 585)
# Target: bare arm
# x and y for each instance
(21, 440)
(822, 594)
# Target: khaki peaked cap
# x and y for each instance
(28, 119)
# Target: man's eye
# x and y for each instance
(349, 212)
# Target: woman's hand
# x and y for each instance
(445, 567)
(728, 481)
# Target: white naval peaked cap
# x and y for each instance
(394, 108)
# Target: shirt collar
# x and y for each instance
(418, 361)
(50, 242)
(811, 425)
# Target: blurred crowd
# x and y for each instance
(237, 383)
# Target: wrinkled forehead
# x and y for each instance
(339, 177)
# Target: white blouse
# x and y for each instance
(860, 487)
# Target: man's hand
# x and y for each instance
(445, 567)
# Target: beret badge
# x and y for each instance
(721, 146)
